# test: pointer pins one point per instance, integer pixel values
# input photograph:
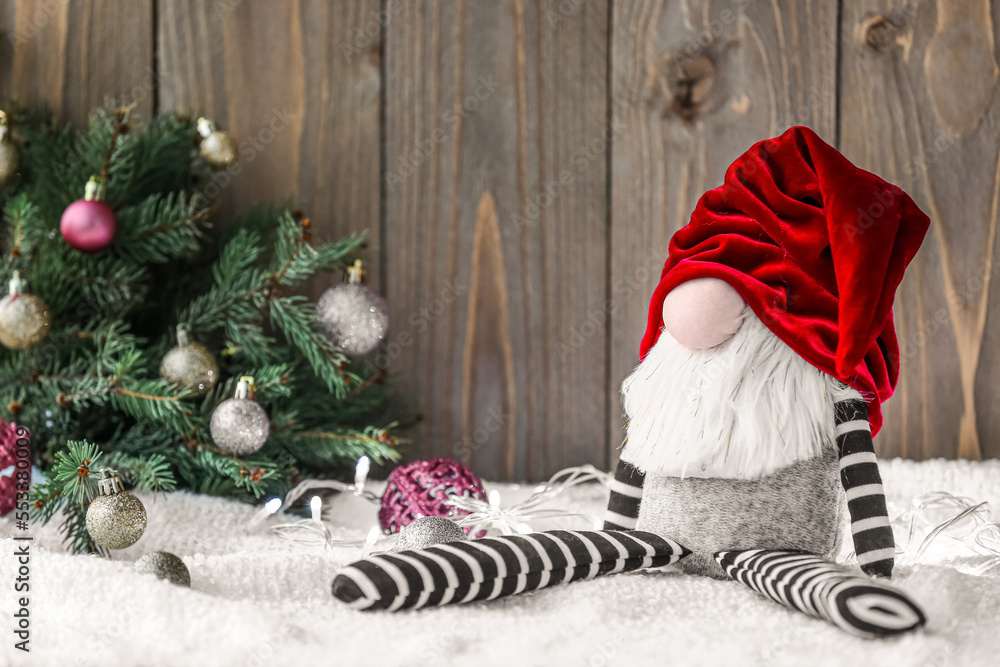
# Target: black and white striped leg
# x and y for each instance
(626, 496)
(821, 589)
(859, 473)
(493, 567)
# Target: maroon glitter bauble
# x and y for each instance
(88, 226)
(421, 488)
(10, 434)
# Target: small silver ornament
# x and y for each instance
(239, 425)
(9, 158)
(24, 318)
(190, 366)
(355, 318)
(115, 519)
(218, 148)
(165, 566)
(428, 531)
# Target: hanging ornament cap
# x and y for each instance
(110, 483)
(16, 284)
(94, 190)
(244, 388)
(356, 274)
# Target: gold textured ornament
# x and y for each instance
(115, 519)
(165, 566)
(24, 318)
(190, 366)
(9, 158)
(218, 148)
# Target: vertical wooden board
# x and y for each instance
(298, 85)
(495, 243)
(71, 57)
(693, 86)
(919, 107)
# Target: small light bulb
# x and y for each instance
(316, 508)
(273, 505)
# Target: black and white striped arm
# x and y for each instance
(626, 496)
(494, 567)
(825, 590)
(859, 473)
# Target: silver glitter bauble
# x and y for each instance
(115, 519)
(218, 148)
(428, 531)
(355, 317)
(190, 366)
(239, 425)
(165, 566)
(24, 318)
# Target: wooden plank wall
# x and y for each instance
(521, 164)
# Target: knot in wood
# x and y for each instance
(690, 82)
(881, 34)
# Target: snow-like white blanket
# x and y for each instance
(257, 599)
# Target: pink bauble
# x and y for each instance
(421, 488)
(88, 226)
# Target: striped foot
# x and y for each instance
(821, 589)
(626, 497)
(494, 567)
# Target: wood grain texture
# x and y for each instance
(495, 245)
(298, 84)
(919, 106)
(72, 56)
(695, 84)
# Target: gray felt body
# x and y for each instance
(800, 506)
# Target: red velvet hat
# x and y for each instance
(815, 246)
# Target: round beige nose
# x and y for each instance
(703, 312)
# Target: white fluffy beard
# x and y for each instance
(743, 409)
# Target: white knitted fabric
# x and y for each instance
(258, 600)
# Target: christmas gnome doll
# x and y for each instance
(769, 349)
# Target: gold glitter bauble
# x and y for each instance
(9, 160)
(219, 150)
(24, 321)
(190, 367)
(428, 531)
(116, 521)
(165, 566)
